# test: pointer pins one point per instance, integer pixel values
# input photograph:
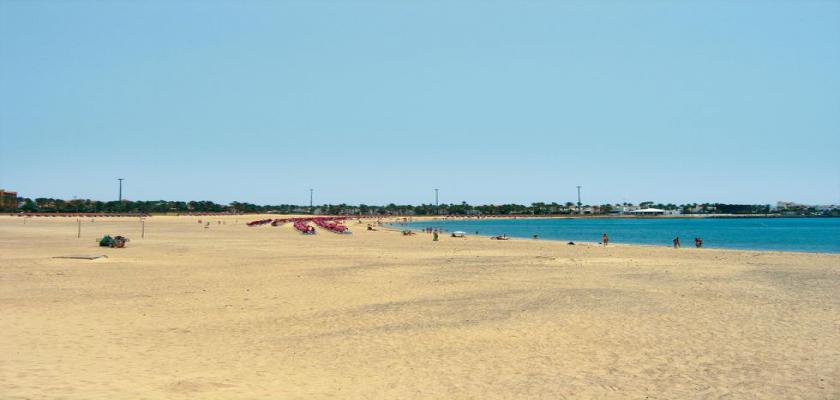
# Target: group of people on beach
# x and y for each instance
(698, 242)
(605, 239)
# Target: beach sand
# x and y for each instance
(237, 312)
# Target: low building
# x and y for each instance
(648, 211)
(622, 209)
(783, 205)
(8, 200)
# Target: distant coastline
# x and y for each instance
(12, 202)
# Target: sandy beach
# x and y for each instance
(237, 312)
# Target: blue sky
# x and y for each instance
(378, 102)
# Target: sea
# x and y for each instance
(784, 234)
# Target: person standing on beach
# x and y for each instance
(698, 242)
(435, 236)
(605, 239)
(677, 242)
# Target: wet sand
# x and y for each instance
(238, 312)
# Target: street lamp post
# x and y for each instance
(437, 205)
(311, 209)
(580, 210)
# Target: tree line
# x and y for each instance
(47, 205)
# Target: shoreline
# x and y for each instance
(637, 245)
(689, 246)
(622, 216)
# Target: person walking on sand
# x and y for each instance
(435, 236)
(605, 239)
(677, 242)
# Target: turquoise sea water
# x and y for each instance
(788, 234)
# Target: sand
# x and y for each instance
(236, 312)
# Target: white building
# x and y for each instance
(648, 211)
(624, 209)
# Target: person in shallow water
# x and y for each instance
(698, 242)
(677, 242)
(605, 239)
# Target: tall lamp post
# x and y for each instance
(580, 210)
(311, 209)
(120, 196)
(437, 205)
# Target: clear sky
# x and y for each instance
(383, 101)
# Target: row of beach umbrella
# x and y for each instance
(302, 224)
